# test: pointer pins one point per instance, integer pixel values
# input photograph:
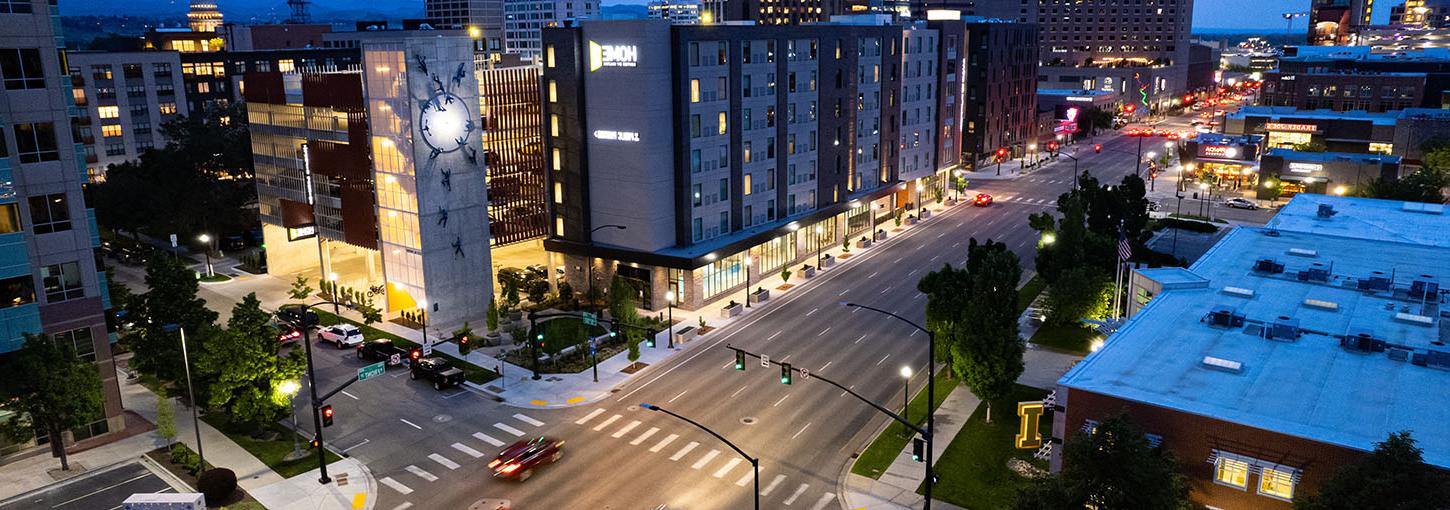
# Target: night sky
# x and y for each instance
(1208, 14)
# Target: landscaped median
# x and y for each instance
(471, 372)
(874, 460)
(973, 472)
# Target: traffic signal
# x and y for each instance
(785, 373)
(540, 338)
(327, 416)
(918, 449)
(649, 339)
(415, 353)
(1098, 148)
(314, 444)
(1130, 108)
(1052, 146)
(740, 360)
(1001, 153)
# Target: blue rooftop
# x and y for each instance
(1308, 385)
(1328, 157)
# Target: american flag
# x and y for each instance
(1125, 250)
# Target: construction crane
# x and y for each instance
(1289, 19)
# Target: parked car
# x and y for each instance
(383, 350)
(341, 335)
(982, 200)
(297, 314)
(436, 370)
(286, 333)
(1241, 203)
(519, 460)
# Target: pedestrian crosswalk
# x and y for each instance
(718, 464)
(443, 462)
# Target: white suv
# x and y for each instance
(342, 335)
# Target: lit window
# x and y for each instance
(553, 91)
(108, 112)
(747, 184)
(559, 224)
(168, 108)
(722, 123)
(549, 56)
(286, 65)
(111, 130)
(694, 91)
(1231, 472)
(1277, 482)
(554, 124)
(1381, 148)
(558, 159)
(558, 193)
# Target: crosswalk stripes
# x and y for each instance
(797, 494)
(825, 500)
(529, 420)
(724, 470)
(508, 429)
(644, 436)
(404, 506)
(421, 473)
(395, 485)
(625, 429)
(467, 451)
(705, 460)
(663, 443)
(487, 439)
(606, 423)
(444, 461)
(684, 451)
(773, 484)
(746, 478)
(589, 416)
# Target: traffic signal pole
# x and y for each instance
(316, 403)
(754, 461)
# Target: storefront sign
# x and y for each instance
(1219, 151)
(622, 136)
(303, 232)
(1080, 99)
(1031, 416)
(612, 55)
(1295, 128)
(1305, 168)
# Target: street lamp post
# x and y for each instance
(1203, 208)
(206, 240)
(747, 279)
(290, 388)
(1152, 176)
(754, 461)
(906, 392)
(591, 251)
(190, 395)
(670, 304)
(1139, 169)
(1175, 231)
(930, 389)
(819, 231)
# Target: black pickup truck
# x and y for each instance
(383, 350)
(437, 370)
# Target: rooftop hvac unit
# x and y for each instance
(1225, 317)
(1362, 341)
(1283, 328)
(1375, 283)
(1398, 354)
(1437, 359)
(1314, 274)
(1326, 211)
(1270, 266)
(1424, 285)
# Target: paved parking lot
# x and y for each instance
(102, 490)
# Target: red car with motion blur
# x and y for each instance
(519, 460)
(982, 200)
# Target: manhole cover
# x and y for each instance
(442, 418)
(632, 408)
(748, 420)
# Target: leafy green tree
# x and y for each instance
(947, 292)
(171, 300)
(244, 369)
(49, 390)
(1393, 477)
(492, 317)
(1081, 292)
(1112, 467)
(622, 309)
(1424, 185)
(301, 289)
(1309, 147)
(988, 356)
(165, 419)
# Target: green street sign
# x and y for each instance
(371, 371)
(591, 319)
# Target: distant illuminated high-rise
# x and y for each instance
(204, 16)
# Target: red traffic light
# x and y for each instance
(326, 416)
(1052, 146)
(415, 353)
(1098, 148)
(463, 340)
(1001, 152)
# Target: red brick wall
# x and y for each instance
(1192, 438)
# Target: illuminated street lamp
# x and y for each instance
(206, 240)
(747, 280)
(1048, 238)
(290, 389)
(905, 392)
(819, 231)
(670, 302)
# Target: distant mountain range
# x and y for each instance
(624, 11)
(256, 11)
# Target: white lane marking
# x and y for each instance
(350, 448)
(724, 470)
(737, 392)
(395, 485)
(645, 435)
(745, 478)
(823, 367)
(606, 423)
(823, 332)
(914, 331)
(913, 272)
(773, 484)
(873, 275)
(421, 473)
(663, 443)
(349, 395)
(858, 340)
(445, 461)
(772, 337)
(684, 451)
(813, 310)
(851, 387)
(934, 257)
(466, 450)
(798, 432)
(589, 416)
(529, 420)
(487, 439)
(672, 399)
(508, 429)
(705, 460)
(843, 292)
(798, 491)
(414, 425)
(885, 290)
(883, 359)
(625, 429)
(782, 399)
(404, 505)
(825, 500)
(956, 244)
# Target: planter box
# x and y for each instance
(760, 296)
(925, 214)
(828, 261)
(685, 335)
(863, 244)
(808, 271)
(880, 235)
(911, 220)
(731, 311)
(950, 202)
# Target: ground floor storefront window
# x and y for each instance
(722, 275)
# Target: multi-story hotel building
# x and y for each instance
(50, 282)
(1001, 79)
(124, 99)
(771, 12)
(679, 12)
(721, 149)
(525, 19)
(484, 15)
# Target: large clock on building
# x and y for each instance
(445, 122)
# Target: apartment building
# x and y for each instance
(124, 98)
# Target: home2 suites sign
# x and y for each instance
(612, 55)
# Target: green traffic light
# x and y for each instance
(785, 373)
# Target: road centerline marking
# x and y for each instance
(883, 360)
(772, 337)
(676, 397)
(823, 332)
(782, 399)
(737, 392)
(798, 432)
